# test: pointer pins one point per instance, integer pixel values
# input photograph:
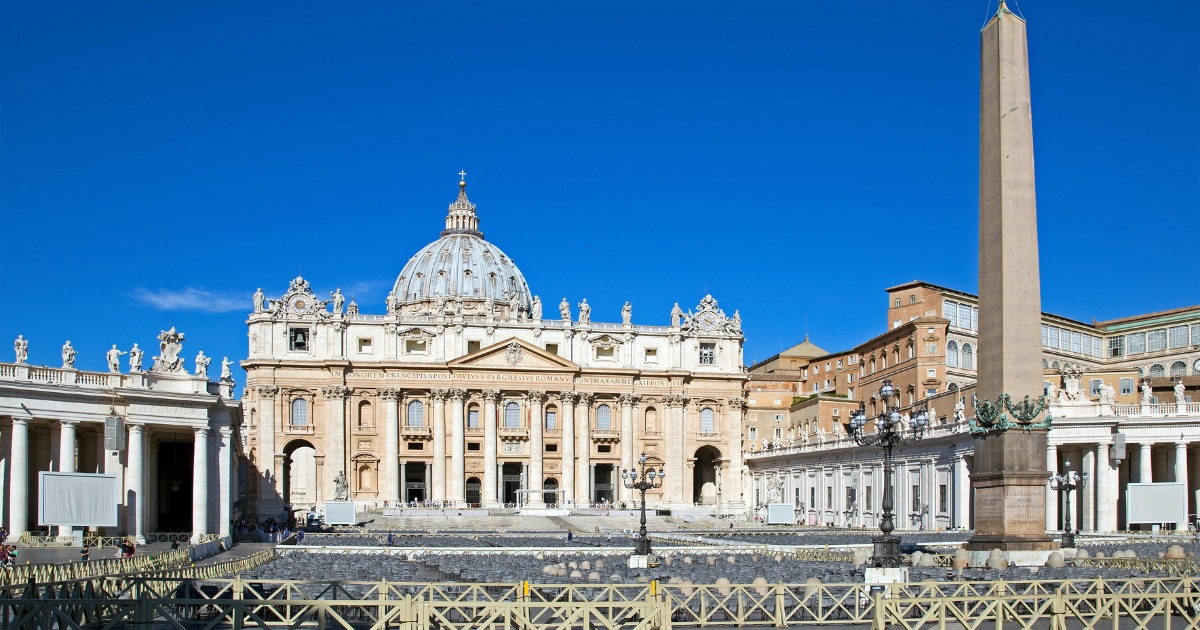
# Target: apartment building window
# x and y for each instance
(952, 354)
(778, 433)
(968, 357)
(1126, 386)
(1177, 337)
(897, 302)
(1156, 340)
(1116, 347)
(1195, 335)
(839, 363)
(708, 354)
(753, 433)
(1094, 390)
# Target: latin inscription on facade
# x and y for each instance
(174, 412)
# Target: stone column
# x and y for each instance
(458, 467)
(1145, 463)
(583, 448)
(627, 454)
(962, 492)
(18, 506)
(135, 496)
(534, 483)
(335, 438)
(490, 396)
(66, 457)
(403, 483)
(1089, 495)
(200, 486)
(428, 483)
(391, 444)
(675, 456)
(732, 482)
(226, 481)
(439, 444)
(568, 446)
(1053, 522)
(1181, 476)
(270, 489)
(1106, 491)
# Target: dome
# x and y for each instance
(461, 266)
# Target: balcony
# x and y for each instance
(299, 429)
(514, 434)
(606, 436)
(416, 433)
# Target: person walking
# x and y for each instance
(85, 554)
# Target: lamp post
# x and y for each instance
(1065, 483)
(890, 432)
(643, 481)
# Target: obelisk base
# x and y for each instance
(1010, 492)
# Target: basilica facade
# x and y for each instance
(462, 393)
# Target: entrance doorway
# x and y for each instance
(300, 475)
(551, 498)
(175, 486)
(704, 476)
(415, 488)
(474, 492)
(604, 490)
(510, 482)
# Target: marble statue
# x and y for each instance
(259, 300)
(458, 306)
(68, 356)
(338, 300)
(202, 363)
(21, 347)
(1108, 394)
(564, 308)
(1051, 393)
(537, 308)
(1146, 392)
(135, 359)
(585, 312)
(439, 304)
(170, 344)
(1179, 396)
(114, 359)
(341, 488)
(735, 324)
(226, 369)
(627, 314)
(676, 315)
(775, 489)
(391, 304)
(959, 411)
(489, 306)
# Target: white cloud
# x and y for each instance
(191, 299)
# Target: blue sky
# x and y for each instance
(159, 161)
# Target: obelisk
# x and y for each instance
(1010, 473)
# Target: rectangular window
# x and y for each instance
(604, 352)
(778, 433)
(1045, 336)
(472, 446)
(472, 346)
(812, 498)
(950, 312)
(931, 372)
(1094, 388)
(897, 302)
(1135, 343)
(868, 505)
(604, 448)
(1156, 340)
(753, 433)
(1178, 337)
(943, 499)
(1064, 340)
(416, 446)
(651, 355)
(364, 346)
(1195, 335)
(552, 348)
(551, 448)
(415, 346)
(839, 363)
(797, 497)
(916, 498)
(1126, 386)
(1053, 337)
(708, 354)
(298, 339)
(552, 419)
(816, 368)
(828, 497)
(778, 417)
(473, 419)
(1116, 347)
(1076, 343)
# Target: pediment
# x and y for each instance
(514, 354)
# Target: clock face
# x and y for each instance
(708, 320)
(299, 304)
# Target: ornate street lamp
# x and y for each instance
(1065, 483)
(643, 481)
(890, 432)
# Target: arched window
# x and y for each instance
(953, 387)
(1141, 374)
(651, 420)
(1157, 371)
(968, 357)
(1179, 368)
(416, 414)
(512, 415)
(253, 418)
(603, 418)
(551, 418)
(707, 421)
(299, 412)
(366, 416)
(473, 417)
(952, 354)
(1045, 362)
(911, 351)
(1054, 365)
(872, 365)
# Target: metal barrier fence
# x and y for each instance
(213, 603)
(50, 573)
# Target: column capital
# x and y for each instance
(335, 391)
(135, 427)
(570, 397)
(68, 423)
(491, 395)
(267, 391)
(676, 400)
(586, 399)
(738, 403)
(389, 393)
(22, 421)
(439, 394)
(629, 399)
(458, 394)
(203, 432)
(536, 396)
